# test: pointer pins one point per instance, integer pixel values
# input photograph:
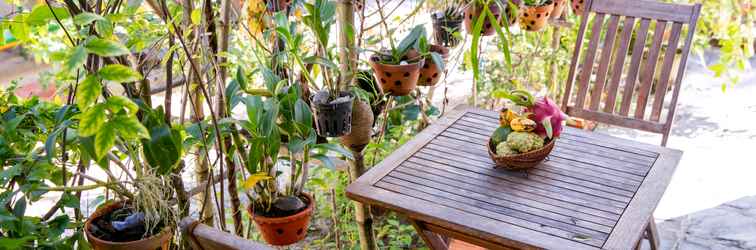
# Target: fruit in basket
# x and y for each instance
(524, 142)
(500, 135)
(521, 124)
(502, 149)
(506, 116)
(548, 116)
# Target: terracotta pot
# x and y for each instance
(430, 73)
(473, 12)
(535, 18)
(334, 119)
(362, 126)
(284, 230)
(578, 6)
(159, 241)
(559, 6)
(443, 30)
(396, 80)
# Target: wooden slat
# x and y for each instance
(632, 73)
(649, 70)
(204, 237)
(666, 70)
(616, 119)
(619, 63)
(603, 67)
(575, 58)
(645, 9)
(588, 169)
(584, 81)
(609, 152)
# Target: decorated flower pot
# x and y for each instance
(578, 6)
(158, 241)
(397, 80)
(473, 12)
(362, 126)
(333, 117)
(444, 29)
(534, 18)
(559, 6)
(430, 74)
(287, 230)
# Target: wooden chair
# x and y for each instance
(609, 88)
(203, 237)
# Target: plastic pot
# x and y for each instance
(473, 12)
(396, 80)
(334, 119)
(282, 231)
(158, 241)
(534, 18)
(362, 126)
(430, 73)
(443, 30)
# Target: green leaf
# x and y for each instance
(130, 128)
(77, 57)
(438, 61)
(104, 27)
(302, 113)
(196, 16)
(119, 73)
(410, 40)
(240, 78)
(57, 225)
(116, 103)
(547, 125)
(85, 18)
(41, 15)
(162, 149)
(20, 208)
(16, 243)
(87, 92)
(91, 120)
(103, 47)
(69, 200)
(334, 148)
(104, 140)
(476, 32)
(503, 37)
(320, 60)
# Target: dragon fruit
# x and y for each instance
(548, 117)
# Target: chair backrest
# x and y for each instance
(203, 237)
(634, 55)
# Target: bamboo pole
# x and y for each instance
(361, 211)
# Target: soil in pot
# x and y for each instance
(362, 126)
(473, 12)
(431, 74)
(333, 116)
(397, 80)
(534, 18)
(444, 29)
(119, 226)
(578, 6)
(287, 220)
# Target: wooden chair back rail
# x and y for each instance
(609, 87)
(203, 237)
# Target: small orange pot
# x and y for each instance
(473, 12)
(578, 6)
(159, 241)
(287, 230)
(535, 18)
(559, 6)
(396, 80)
(430, 74)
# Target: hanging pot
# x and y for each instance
(444, 29)
(362, 126)
(366, 81)
(534, 18)
(397, 80)
(578, 6)
(334, 118)
(559, 6)
(158, 241)
(287, 230)
(430, 74)
(473, 12)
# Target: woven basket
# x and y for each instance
(520, 161)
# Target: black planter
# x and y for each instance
(443, 30)
(333, 119)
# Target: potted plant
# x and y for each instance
(398, 69)
(527, 131)
(473, 13)
(432, 71)
(558, 9)
(372, 91)
(536, 14)
(578, 6)
(363, 120)
(446, 26)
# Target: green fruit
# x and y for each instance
(524, 142)
(500, 135)
(503, 150)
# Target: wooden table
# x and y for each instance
(593, 192)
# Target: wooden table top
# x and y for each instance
(593, 192)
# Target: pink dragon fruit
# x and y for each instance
(548, 116)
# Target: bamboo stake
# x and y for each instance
(335, 218)
(361, 211)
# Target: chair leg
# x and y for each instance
(653, 234)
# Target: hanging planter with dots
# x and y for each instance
(473, 12)
(397, 79)
(431, 72)
(535, 14)
(578, 6)
(559, 6)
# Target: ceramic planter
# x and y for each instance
(396, 80)
(362, 126)
(559, 6)
(578, 6)
(534, 18)
(443, 30)
(430, 74)
(158, 241)
(334, 119)
(286, 230)
(473, 12)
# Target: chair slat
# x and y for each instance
(606, 56)
(619, 62)
(649, 70)
(646, 9)
(585, 77)
(666, 70)
(632, 73)
(574, 61)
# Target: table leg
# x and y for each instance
(652, 233)
(433, 240)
